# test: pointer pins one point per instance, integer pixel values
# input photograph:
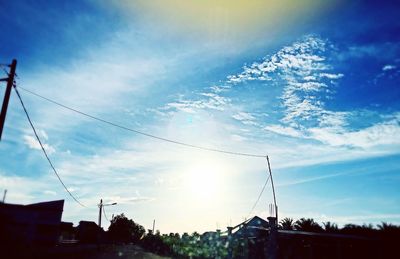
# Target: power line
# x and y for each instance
(44, 151)
(259, 196)
(104, 213)
(140, 132)
(4, 70)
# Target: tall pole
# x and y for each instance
(273, 189)
(100, 207)
(4, 195)
(10, 83)
(154, 223)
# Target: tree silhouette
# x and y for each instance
(156, 243)
(125, 230)
(309, 225)
(330, 227)
(286, 224)
(364, 230)
(387, 227)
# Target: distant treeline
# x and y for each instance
(123, 230)
(309, 225)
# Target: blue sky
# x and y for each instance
(314, 85)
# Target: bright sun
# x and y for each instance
(203, 182)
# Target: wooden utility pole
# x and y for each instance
(100, 208)
(10, 82)
(4, 196)
(273, 189)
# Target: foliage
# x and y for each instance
(213, 245)
(192, 246)
(125, 230)
(155, 244)
(309, 225)
(286, 224)
(330, 227)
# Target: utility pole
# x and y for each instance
(10, 82)
(4, 195)
(154, 223)
(271, 250)
(100, 208)
(273, 189)
(101, 205)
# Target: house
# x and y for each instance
(35, 224)
(67, 233)
(249, 239)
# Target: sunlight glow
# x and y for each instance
(223, 18)
(202, 182)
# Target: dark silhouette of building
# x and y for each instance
(67, 233)
(257, 238)
(315, 245)
(249, 239)
(35, 224)
(89, 232)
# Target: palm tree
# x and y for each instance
(388, 227)
(307, 225)
(389, 231)
(330, 227)
(286, 224)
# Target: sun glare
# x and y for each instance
(203, 182)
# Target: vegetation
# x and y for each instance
(212, 245)
(330, 227)
(308, 225)
(194, 246)
(286, 224)
(124, 230)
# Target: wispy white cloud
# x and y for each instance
(127, 200)
(388, 67)
(310, 179)
(245, 118)
(49, 192)
(384, 133)
(283, 130)
(303, 69)
(25, 190)
(205, 100)
(308, 81)
(32, 143)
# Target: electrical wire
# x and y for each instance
(259, 196)
(44, 151)
(104, 213)
(5, 71)
(140, 132)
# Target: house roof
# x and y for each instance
(251, 227)
(254, 221)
